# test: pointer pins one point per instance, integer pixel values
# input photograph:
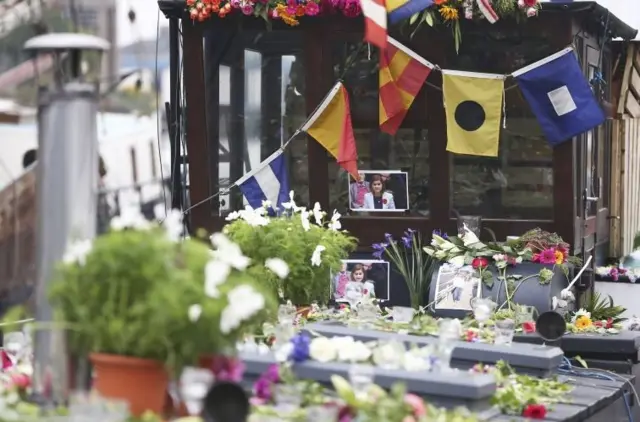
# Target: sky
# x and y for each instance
(146, 21)
(147, 15)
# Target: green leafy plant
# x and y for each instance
(601, 307)
(312, 245)
(636, 241)
(138, 292)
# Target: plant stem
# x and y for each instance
(516, 289)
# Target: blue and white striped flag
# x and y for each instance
(268, 182)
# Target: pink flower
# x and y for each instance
(21, 381)
(531, 12)
(548, 256)
(247, 9)
(227, 369)
(311, 8)
(351, 8)
(417, 404)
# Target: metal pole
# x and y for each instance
(174, 113)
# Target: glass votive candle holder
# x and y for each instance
(504, 331)
(402, 314)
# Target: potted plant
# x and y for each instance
(143, 303)
(312, 244)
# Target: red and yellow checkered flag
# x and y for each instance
(402, 74)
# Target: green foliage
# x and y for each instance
(132, 294)
(602, 308)
(636, 241)
(286, 238)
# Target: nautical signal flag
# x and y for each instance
(401, 76)
(473, 104)
(560, 96)
(330, 125)
(399, 10)
(375, 22)
(268, 182)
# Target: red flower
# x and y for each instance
(343, 306)
(609, 323)
(366, 292)
(535, 411)
(384, 201)
(529, 327)
(530, 3)
(471, 335)
(479, 263)
(597, 324)
(6, 361)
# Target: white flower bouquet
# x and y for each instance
(312, 244)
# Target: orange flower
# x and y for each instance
(300, 10)
(559, 257)
(440, 2)
(449, 13)
(287, 18)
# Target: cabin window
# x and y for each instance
(262, 103)
(518, 184)
(407, 151)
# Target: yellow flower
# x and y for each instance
(583, 322)
(559, 257)
(286, 17)
(449, 13)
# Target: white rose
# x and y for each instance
(323, 350)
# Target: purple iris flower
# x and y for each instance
(378, 249)
(300, 351)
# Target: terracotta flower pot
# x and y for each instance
(141, 382)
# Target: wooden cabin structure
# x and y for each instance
(247, 89)
(625, 147)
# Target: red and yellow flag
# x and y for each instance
(402, 74)
(330, 125)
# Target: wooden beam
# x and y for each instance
(632, 106)
(635, 82)
(625, 80)
(196, 125)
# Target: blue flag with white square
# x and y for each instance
(268, 182)
(560, 96)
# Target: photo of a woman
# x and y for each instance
(379, 191)
(378, 198)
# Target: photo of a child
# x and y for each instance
(358, 190)
(358, 279)
(456, 287)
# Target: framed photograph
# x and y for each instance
(379, 191)
(360, 277)
(455, 287)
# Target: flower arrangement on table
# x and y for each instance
(581, 323)
(535, 246)
(408, 259)
(523, 395)
(391, 355)
(313, 245)
(447, 12)
(615, 273)
(344, 404)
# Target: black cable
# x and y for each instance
(162, 186)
